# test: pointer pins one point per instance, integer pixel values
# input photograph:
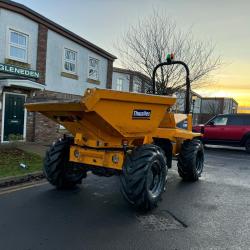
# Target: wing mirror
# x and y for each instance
(211, 123)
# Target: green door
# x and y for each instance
(13, 117)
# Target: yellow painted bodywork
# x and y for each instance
(103, 120)
(95, 157)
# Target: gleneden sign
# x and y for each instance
(11, 69)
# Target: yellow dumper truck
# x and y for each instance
(131, 135)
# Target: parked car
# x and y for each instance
(231, 130)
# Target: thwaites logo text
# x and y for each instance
(141, 114)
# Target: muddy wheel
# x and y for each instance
(143, 176)
(57, 168)
(191, 160)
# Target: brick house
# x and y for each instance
(41, 60)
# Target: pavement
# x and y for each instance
(213, 213)
(33, 147)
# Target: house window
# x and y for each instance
(93, 68)
(70, 61)
(136, 87)
(18, 49)
(119, 84)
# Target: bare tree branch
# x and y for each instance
(142, 47)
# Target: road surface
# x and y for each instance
(213, 213)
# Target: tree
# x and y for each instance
(142, 47)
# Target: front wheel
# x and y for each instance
(191, 160)
(144, 175)
(57, 168)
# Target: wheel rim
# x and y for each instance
(154, 179)
(199, 162)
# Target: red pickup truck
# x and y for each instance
(231, 130)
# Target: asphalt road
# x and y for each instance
(213, 213)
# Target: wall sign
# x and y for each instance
(141, 114)
(11, 69)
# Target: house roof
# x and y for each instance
(139, 74)
(31, 14)
(131, 72)
(220, 98)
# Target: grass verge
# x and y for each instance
(11, 158)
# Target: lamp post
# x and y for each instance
(194, 97)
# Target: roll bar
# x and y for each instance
(170, 62)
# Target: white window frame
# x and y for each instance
(118, 86)
(138, 90)
(18, 46)
(89, 77)
(69, 61)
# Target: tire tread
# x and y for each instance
(133, 178)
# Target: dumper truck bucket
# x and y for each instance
(106, 113)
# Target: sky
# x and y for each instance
(225, 22)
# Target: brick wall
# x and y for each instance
(40, 128)
(41, 52)
(109, 74)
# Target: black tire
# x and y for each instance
(247, 145)
(57, 168)
(191, 160)
(143, 177)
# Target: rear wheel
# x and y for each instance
(191, 160)
(247, 145)
(144, 175)
(167, 148)
(58, 170)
